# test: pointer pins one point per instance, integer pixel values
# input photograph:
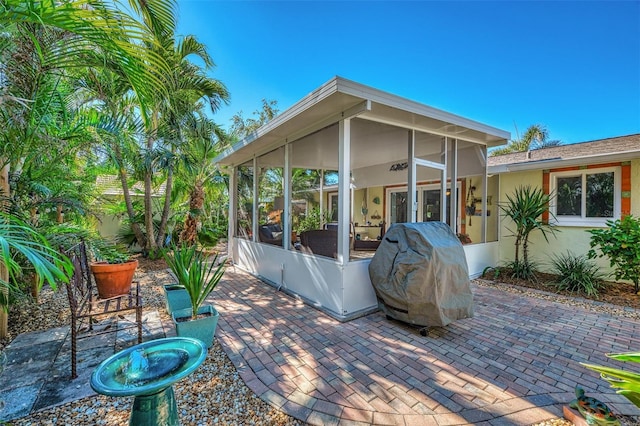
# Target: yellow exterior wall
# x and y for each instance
(569, 238)
(508, 183)
(635, 187)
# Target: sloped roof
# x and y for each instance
(341, 98)
(619, 148)
(110, 185)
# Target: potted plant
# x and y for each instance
(176, 297)
(113, 271)
(198, 277)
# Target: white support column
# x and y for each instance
(453, 217)
(443, 179)
(485, 189)
(254, 215)
(322, 199)
(412, 203)
(344, 181)
(286, 211)
(233, 210)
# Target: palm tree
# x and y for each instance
(535, 137)
(204, 138)
(189, 89)
(60, 33)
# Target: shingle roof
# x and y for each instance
(110, 185)
(600, 147)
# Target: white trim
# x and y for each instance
(582, 220)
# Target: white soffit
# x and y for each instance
(340, 98)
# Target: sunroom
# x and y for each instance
(313, 191)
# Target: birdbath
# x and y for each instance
(148, 371)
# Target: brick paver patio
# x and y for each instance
(515, 362)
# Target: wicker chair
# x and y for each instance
(321, 242)
(85, 304)
(270, 234)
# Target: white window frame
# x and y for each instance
(583, 220)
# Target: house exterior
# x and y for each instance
(313, 191)
(110, 189)
(590, 183)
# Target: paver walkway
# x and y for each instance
(515, 362)
(38, 370)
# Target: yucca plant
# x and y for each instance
(627, 383)
(525, 208)
(195, 273)
(577, 274)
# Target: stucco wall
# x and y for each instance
(573, 239)
(635, 187)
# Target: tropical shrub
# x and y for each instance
(577, 274)
(620, 242)
(18, 237)
(520, 269)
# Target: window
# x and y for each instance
(586, 197)
(332, 208)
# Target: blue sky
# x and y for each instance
(573, 66)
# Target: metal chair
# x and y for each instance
(85, 304)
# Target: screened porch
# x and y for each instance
(314, 191)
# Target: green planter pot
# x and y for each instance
(176, 297)
(201, 328)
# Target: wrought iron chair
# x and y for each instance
(85, 304)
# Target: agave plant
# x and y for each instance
(627, 383)
(195, 272)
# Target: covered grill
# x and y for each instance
(420, 275)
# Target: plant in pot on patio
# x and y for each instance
(113, 271)
(199, 276)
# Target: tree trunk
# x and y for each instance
(4, 272)
(189, 234)
(151, 246)
(135, 226)
(166, 210)
(517, 248)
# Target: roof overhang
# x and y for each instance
(554, 163)
(340, 98)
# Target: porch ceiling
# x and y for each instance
(381, 133)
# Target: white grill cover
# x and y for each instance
(420, 275)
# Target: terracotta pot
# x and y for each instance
(113, 279)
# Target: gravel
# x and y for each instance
(215, 393)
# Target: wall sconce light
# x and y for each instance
(399, 167)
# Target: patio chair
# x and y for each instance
(333, 226)
(270, 234)
(321, 242)
(85, 304)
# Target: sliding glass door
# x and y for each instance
(428, 200)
